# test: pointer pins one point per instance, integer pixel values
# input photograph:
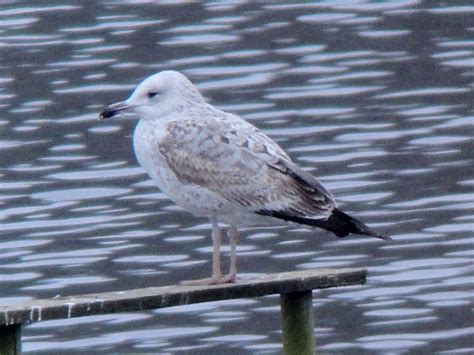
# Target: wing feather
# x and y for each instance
(243, 165)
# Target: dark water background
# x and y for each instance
(374, 98)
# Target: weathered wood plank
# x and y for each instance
(169, 296)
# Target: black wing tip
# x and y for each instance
(339, 223)
(369, 232)
(385, 237)
(340, 220)
(380, 236)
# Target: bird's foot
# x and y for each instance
(230, 278)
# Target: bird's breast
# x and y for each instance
(146, 140)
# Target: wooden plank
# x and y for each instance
(169, 296)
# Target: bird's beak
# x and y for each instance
(114, 109)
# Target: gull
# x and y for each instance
(215, 164)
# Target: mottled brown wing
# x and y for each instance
(244, 166)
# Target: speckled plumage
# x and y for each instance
(212, 162)
(215, 164)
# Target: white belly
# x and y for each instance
(191, 197)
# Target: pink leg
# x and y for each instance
(216, 250)
(233, 239)
(216, 277)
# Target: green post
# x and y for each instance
(297, 323)
(10, 339)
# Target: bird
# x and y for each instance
(217, 165)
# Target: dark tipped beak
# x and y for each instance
(113, 110)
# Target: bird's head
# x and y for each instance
(156, 96)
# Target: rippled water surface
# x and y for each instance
(373, 98)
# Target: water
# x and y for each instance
(373, 98)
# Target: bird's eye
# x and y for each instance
(151, 94)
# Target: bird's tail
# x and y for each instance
(339, 223)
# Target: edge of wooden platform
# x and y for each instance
(176, 295)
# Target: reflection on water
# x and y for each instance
(374, 98)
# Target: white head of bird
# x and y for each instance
(156, 96)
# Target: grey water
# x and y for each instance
(374, 98)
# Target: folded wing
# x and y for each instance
(237, 161)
